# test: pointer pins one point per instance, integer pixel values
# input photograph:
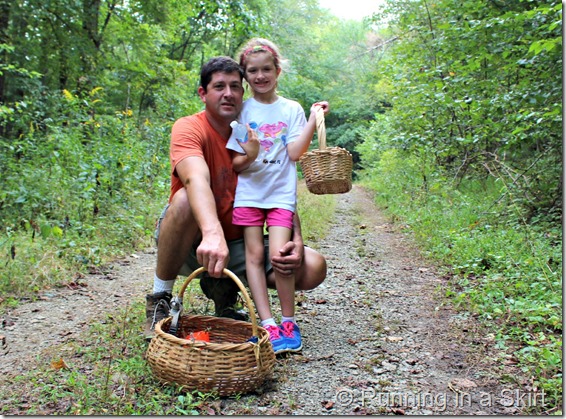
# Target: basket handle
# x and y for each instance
(233, 277)
(320, 127)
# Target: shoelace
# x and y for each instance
(159, 303)
(288, 329)
(274, 332)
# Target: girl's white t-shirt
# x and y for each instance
(271, 180)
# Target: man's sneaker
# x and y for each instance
(157, 307)
(292, 336)
(277, 340)
(224, 293)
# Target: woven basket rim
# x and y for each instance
(210, 345)
(327, 150)
(247, 300)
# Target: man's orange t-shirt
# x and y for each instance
(193, 136)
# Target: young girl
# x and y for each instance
(267, 182)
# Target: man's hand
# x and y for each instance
(213, 255)
(290, 258)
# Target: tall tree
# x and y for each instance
(476, 90)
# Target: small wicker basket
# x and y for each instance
(237, 360)
(326, 170)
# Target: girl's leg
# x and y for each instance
(255, 271)
(285, 284)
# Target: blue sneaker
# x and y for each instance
(277, 340)
(292, 336)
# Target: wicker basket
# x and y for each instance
(229, 364)
(326, 170)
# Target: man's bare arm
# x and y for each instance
(212, 252)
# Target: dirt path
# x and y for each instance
(377, 339)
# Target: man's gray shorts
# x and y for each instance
(237, 263)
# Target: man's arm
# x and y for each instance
(212, 252)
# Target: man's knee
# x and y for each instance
(313, 272)
(179, 218)
(179, 208)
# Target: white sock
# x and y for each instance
(160, 285)
(268, 322)
(288, 319)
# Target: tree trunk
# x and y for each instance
(4, 21)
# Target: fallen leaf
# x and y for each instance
(325, 357)
(75, 285)
(359, 411)
(3, 345)
(320, 301)
(59, 365)
(463, 383)
(328, 404)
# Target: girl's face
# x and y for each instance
(261, 72)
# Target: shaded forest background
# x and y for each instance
(452, 111)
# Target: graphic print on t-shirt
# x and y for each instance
(271, 133)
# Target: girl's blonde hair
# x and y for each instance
(256, 45)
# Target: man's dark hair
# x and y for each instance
(219, 64)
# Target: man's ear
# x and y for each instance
(202, 94)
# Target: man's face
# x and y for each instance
(223, 96)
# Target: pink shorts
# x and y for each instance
(275, 217)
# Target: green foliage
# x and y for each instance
(314, 212)
(474, 87)
(89, 199)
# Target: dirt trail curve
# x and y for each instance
(376, 339)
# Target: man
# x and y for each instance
(195, 229)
